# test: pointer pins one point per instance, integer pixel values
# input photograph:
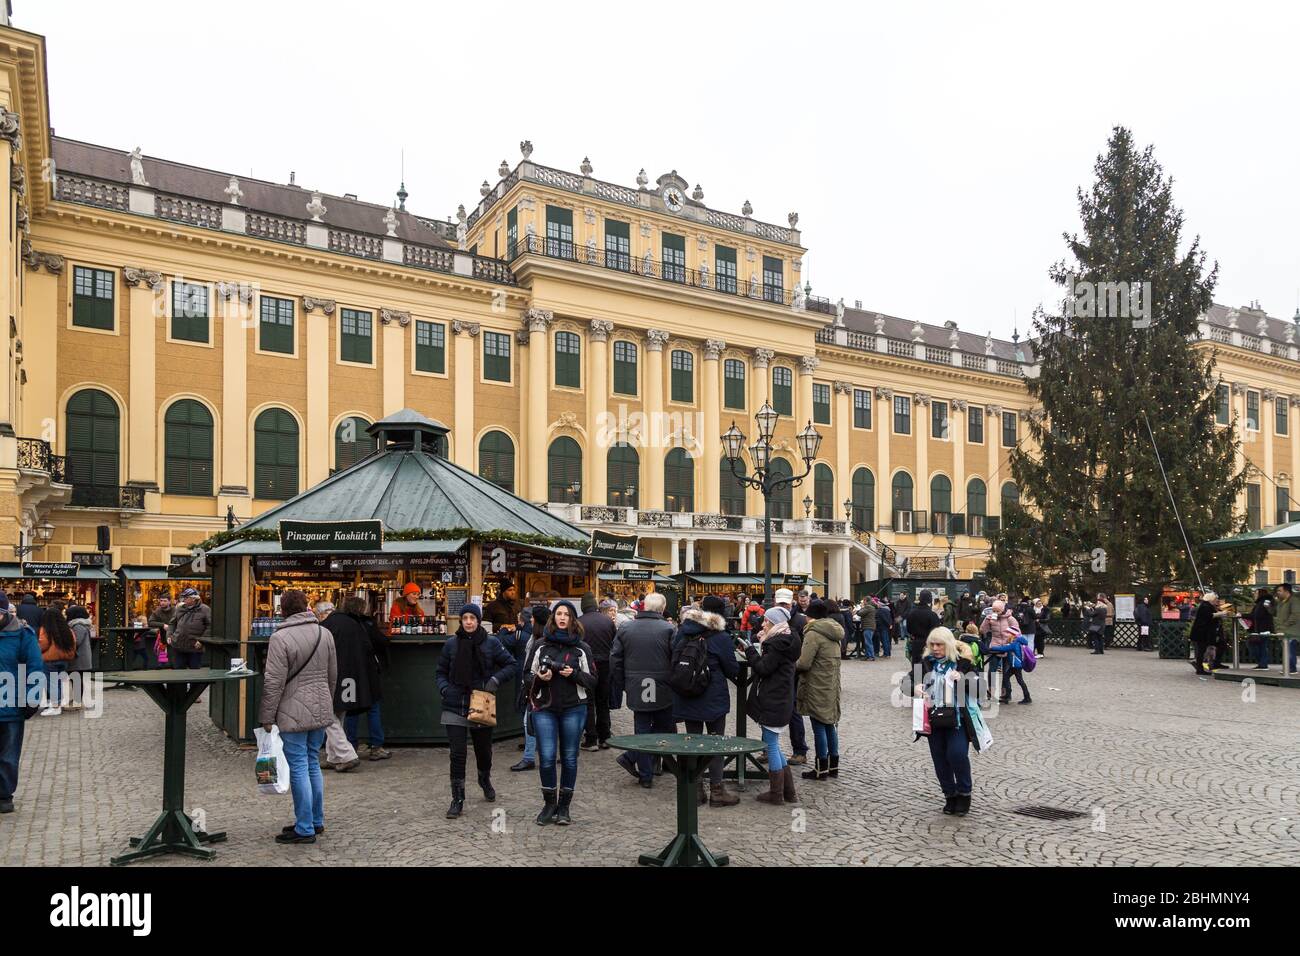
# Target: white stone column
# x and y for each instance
(690, 554)
(654, 452)
(674, 564)
(710, 382)
(596, 382)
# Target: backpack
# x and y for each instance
(690, 674)
(1028, 659)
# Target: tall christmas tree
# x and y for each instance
(1118, 360)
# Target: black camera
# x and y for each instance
(548, 664)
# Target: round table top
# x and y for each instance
(687, 745)
(198, 675)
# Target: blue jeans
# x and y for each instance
(560, 730)
(882, 635)
(651, 722)
(530, 739)
(185, 660)
(11, 748)
(775, 759)
(1259, 645)
(950, 751)
(1295, 647)
(56, 673)
(305, 780)
(865, 638)
(826, 738)
(374, 727)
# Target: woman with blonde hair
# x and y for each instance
(943, 689)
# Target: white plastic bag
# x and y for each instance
(918, 716)
(983, 736)
(272, 767)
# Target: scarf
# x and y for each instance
(467, 667)
(567, 638)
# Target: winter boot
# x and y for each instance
(775, 787)
(548, 811)
(457, 799)
(787, 789)
(820, 770)
(950, 805)
(485, 781)
(720, 796)
(962, 806)
(834, 768)
(701, 795)
(562, 811)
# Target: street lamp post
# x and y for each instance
(761, 478)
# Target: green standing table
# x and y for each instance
(174, 691)
(687, 757)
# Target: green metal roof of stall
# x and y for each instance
(409, 487)
(255, 548)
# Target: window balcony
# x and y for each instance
(36, 455)
(108, 497)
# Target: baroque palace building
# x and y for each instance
(186, 345)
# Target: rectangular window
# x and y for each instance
(568, 353)
(674, 253)
(92, 298)
(861, 408)
(724, 262)
(1252, 411)
(512, 232)
(1252, 507)
(1281, 414)
(773, 279)
(783, 390)
(902, 415)
(939, 420)
(1283, 513)
(1008, 429)
(733, 387)
(682, 378)
(496, 356)
(430, 347)
(625, 368)
(189, 312)
(1223, 414)
(559, 232)
(275, 328)
(975, 425)
(821, 403)
(355, 336)
(618, 245)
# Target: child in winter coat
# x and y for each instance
(1013, 667)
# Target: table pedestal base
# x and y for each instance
(172, 832)
(687, 849)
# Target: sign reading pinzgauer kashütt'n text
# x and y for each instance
(365, 535)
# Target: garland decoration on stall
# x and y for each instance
(408, 534)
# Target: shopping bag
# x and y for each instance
(482, 708)
(983, 736)
(920, 716)
(160, 650)
(272, 767)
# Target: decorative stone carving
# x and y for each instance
(642, 179)
(713, 349)
(839, 312)
(591, 250)
(137, 168)
(843, 388)
(918, 332)
(589, 216)
(393, 315)
(763, 358)
(1238, 388)
(133, 277)
(531, 232)
(462, 229)
(799, 302)
(233, 193)
(18, 179)
(753, 285)
(808, 364)
(886, 394)
(954, 336)
(586, 167)
(526, 148)
(1268, 395)
(701, 242)
(9, 130)
(316, 208)
(959, 404)
(747, 210)
(750, 254)
(53, 263)
(471, 329)
(1232, 318)
(648, 263)
(1261, 327)
(484, 188)
(568, 421)
(793, 219)
(503, 170)
(698, 194)
(988, 343)
(1295, 400)
(243, 291)
(600, 329)
(703, 275)
(22, 219)
(390, 223)
(536, 320)
(880, 324)
(921, 399)
(311, 304)
(797, 265)
(645, 229)
(655, 339)
(521, 336)
(993, 411)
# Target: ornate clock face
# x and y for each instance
(674, 199)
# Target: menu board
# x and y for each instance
(457, 598)
(452, 567)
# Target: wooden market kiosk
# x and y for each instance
(402, 514)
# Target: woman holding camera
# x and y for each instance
(471, 660)
(563, 673)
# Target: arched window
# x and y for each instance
(564, 471)
(623, 476)
(823, 492)
(351, 443)
(977, 497)
(782, 497)
(864, 500)
(679, 481)
(496, 460)
(275, 455)
(1010, 497)
(941, 494)
(93, 462)
(187, 449)
(901, 501)
(731, 489)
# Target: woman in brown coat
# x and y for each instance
(298, 697)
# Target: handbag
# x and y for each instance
(943, 718)
(482, 708)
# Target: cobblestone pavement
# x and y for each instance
(1167, 769)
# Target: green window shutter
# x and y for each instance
(568, 354)
(92, 298)
(275, 453)
(92, 445)
(276, 325)
(679, 481)
(351, 442)
(564, 471)
(189, 312)
(496, 460)
(864, 500)
(821, 403)
(512, 232)
(861, 408)
(783, 496)
(496, 357)
(823, 492)
(683, 376)
(625, 359)
(430, 347)
(187, 449)
(733, 383)
(623, 476)
(731, 490)
(356, 330)
(783, 390)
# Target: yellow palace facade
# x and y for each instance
(186, 345)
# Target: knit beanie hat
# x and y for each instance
(777, 615)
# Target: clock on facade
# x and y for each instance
(674, 199)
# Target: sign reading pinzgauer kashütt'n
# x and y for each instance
(365, 535)
(609, 546)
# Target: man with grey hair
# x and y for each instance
(339, 754)
(641, 662)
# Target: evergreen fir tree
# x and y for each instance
(1097, 514)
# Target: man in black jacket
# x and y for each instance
(598, 631)
(921, 620)
(641, 662)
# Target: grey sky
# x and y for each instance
(932, 150)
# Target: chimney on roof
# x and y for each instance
(857, 304)
(292, 175)
(349, 195)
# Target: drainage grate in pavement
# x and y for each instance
(1049, 813)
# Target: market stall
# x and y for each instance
(402, 516)
(88, 584)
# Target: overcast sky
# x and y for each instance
(932, 150)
